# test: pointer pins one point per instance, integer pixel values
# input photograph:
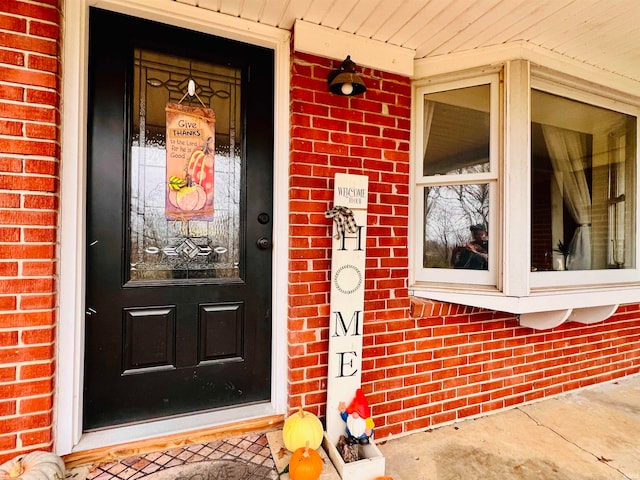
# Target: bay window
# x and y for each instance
(524, 198)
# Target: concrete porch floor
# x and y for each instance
(591, 434)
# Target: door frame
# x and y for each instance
(68, 436)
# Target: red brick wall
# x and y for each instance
(466, 361)
(29, 157)
(424, 363)
(366, 134)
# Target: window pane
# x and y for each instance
(582, 185)
(456, 131)
(455, 226)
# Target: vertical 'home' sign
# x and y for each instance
(347, 296)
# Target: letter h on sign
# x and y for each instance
(357, 237)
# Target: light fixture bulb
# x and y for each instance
(347, 88)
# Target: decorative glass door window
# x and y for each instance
(180, 246)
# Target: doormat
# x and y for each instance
(214, 470)
(244, 458)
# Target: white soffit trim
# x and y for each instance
(365, 52)
(468, 59)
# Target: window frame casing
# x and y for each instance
(486, 278)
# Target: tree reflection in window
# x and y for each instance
(450, 212)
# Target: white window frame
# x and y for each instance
(489, 277)
(540, 299)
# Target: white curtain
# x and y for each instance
(567, 152)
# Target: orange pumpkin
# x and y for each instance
(384, 478)
(305, 464)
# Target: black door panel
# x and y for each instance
(178, 312)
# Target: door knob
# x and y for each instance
(263, 243)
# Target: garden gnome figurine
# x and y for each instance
(358, 417)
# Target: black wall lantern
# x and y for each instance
(345, 81)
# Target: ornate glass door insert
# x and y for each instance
(165, 248)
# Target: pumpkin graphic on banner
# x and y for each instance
(190, 162)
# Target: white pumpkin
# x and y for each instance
(33, 466)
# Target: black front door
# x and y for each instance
(178, 278)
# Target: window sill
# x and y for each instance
(541, 309)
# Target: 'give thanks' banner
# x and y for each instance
(190, 155)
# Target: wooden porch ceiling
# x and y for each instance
(600, 33)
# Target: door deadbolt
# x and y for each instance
(263, 243)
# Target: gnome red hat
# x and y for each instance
(359, 405)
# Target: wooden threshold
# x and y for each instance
(116, 452)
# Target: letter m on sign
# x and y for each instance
(342, 329)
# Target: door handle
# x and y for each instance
(263, 243)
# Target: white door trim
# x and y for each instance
(68, 436)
